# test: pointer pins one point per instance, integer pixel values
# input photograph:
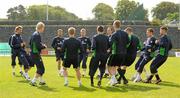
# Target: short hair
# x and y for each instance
(40, 25)
(59, 30)
(129, 29)
(117, 23)
(71, 30)
(18, 27)
(83, 29)
(164, 28)
(100, 28)
(150, 30)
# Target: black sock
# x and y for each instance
(157, 77)
(92, 80)
(150, 77)
(101, 76)
(123, 72)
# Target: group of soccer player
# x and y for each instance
(112, 52)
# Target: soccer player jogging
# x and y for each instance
(71, 48)
(119, 42)
(100, 46)
(13, 57)
(86, 42)
(134, 46)
(164, 45)
(148, 53)
(36, 46)
(57, 45)
(18, 47)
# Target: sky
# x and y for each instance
(82, 8)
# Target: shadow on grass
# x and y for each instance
(18, 76)
(23, 81)
(47, 88)
(82, 88)
(126, 88)
(170, 84)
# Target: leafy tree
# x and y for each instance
(162, 9)
(130, 10)
(103, 12)
(38, 12)
(17, 13)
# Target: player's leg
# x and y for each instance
(13, 63)
(157, 62)
(58, 61)
(102, 68)
(20, 65)
(66, 65)
(25, 62)
(65, 73)
(93, 66)
(140, 68)
(122, 68)
(113, 63)
(136, 67)
(78, 75)
(84, 65)
(76, 66)
(40, 70)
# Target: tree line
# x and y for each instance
(124, 10)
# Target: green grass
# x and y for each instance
(17, 87)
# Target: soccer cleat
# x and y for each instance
(119, 80)
(125, 81)
(28, 78)
(83, 75)
(33, 83)
(79, 84)
(21, 73)
(13, 73)
(147, 81)
(133, 78)
(92, 84)
(158, 81)
(42, 83)
(61, 73)
(114, 82)
(137, 79)
(66, 83)
(99, 84)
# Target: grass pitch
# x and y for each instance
(17, 87)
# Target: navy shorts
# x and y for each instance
(116, 59)
(59, 56)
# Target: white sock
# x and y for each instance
(41, 79)
(61, 69)
(84, 71)
(113, 77)
(65, 79)
(13, 69)
(106, 71)
(20, 69)
(34, 79)
(79, 81)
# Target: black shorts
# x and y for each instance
(116, 59)
(130, 58)
(59, 56)
(29, 59)
(67, 62)
(13, 58)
